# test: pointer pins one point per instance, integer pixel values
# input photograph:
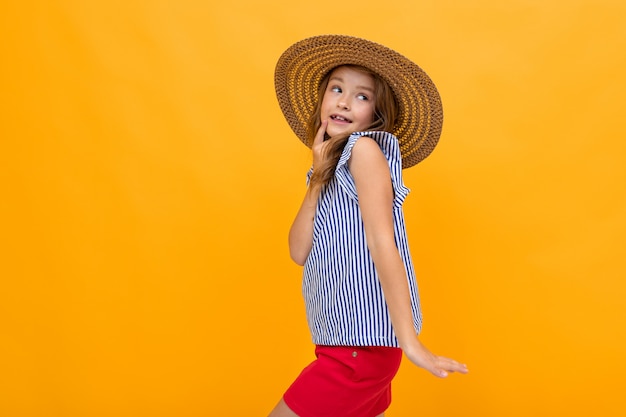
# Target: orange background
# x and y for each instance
(148, 181)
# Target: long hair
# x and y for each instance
(385, 115)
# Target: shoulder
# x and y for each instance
(367, 149)
(367, 158)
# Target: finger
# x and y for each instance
(451, 365)
(319, 137)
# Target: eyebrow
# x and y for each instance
(361, 87)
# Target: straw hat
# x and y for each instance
(302, 66)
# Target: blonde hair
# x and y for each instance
(385, 116)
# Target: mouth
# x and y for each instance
(339, 118)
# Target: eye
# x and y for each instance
(335, 89)
(362, 97)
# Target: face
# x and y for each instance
(349, 102)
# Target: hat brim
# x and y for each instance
(301, 68)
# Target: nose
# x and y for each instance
(343, 103)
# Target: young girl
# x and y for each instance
(367, 112)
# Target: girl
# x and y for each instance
(367, 112)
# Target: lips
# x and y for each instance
(340, 118)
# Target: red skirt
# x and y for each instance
(345, 381)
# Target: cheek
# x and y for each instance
(327, 97)
(368, 114)
(323, 104)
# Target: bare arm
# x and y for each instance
(301, 231)
(371, 174)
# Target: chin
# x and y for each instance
(334, 132)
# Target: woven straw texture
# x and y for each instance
(302, 66)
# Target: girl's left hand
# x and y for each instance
(437, 365)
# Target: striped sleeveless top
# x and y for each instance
(344, 302)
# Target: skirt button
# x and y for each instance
(354, 354)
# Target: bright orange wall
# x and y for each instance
(148, 181)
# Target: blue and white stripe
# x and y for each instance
(344, 300)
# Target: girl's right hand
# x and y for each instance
(318, 143)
